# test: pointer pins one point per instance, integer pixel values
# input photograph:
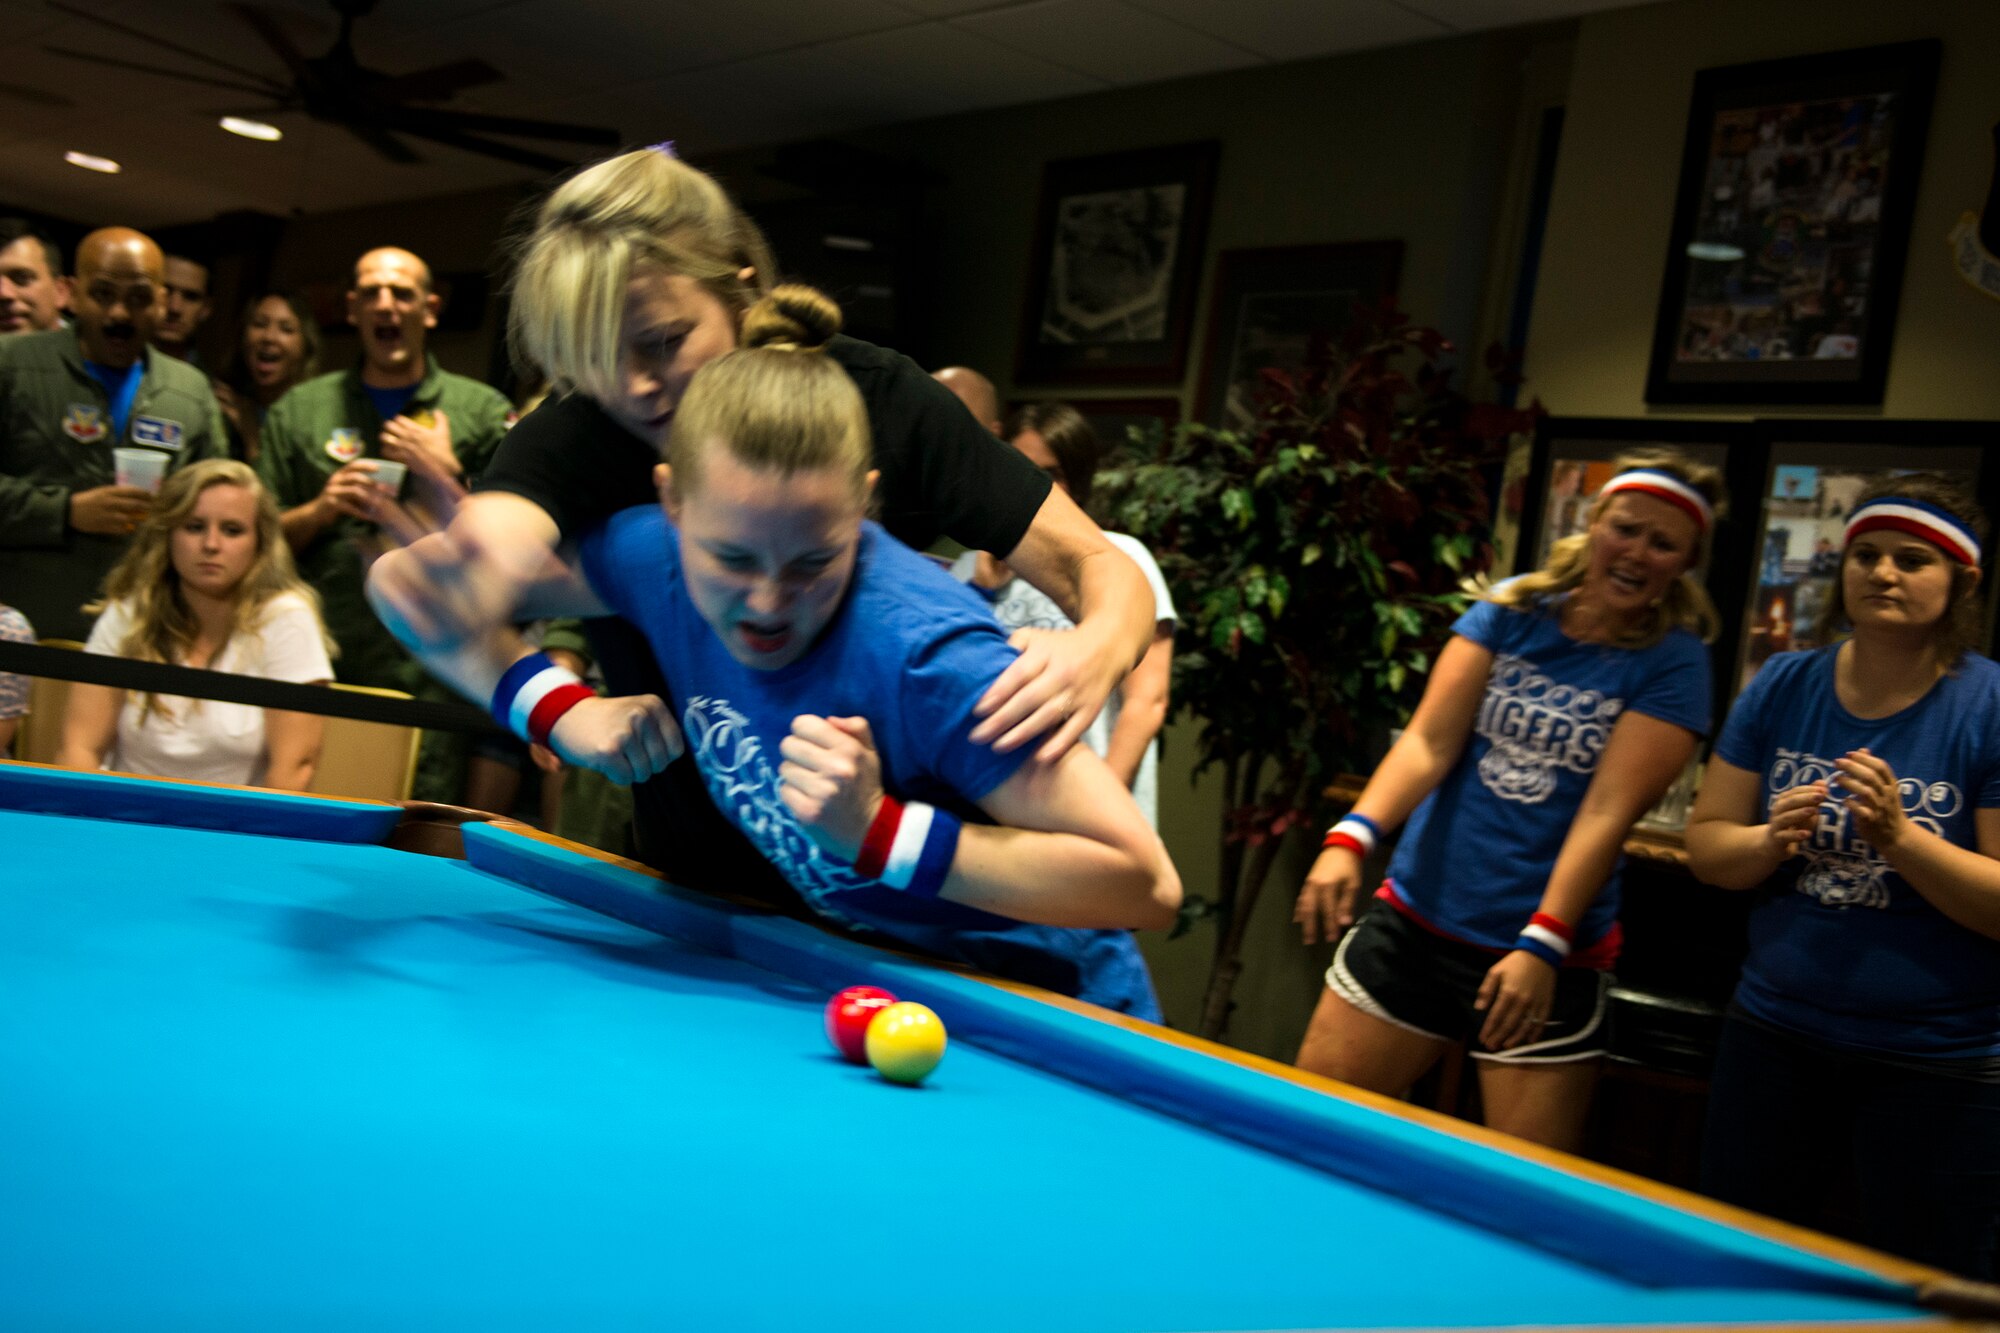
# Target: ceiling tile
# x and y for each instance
(1107, 40)
(606, 43)
(1298, 29)
(935, 69)
(944, 9)
(1477, 15)
(201, 27)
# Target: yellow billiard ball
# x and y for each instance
(905, 1042)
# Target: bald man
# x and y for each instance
(68, 397)
(975, 391)
(319, 452)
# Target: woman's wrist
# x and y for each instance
(1354, 833)
(533, 695)
(909, 847)
(1546, 937)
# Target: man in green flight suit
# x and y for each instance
(322, 446)
(68, 397)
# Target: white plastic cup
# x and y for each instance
(143, 468)
(389, 475)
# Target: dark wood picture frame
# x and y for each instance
(1791, 228)
(1268, 304)
(1119, 241)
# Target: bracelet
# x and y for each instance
(534, 693)
(909, 847)
(1357, 833)
(1546, 938)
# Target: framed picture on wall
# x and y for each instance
(1791, 227)
(1270, 305)
(1117, 255)
(1812, 474)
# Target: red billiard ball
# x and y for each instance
(848, 1015)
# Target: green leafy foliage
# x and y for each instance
(1316, 557)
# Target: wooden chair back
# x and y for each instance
(377, 760)
(40, 735)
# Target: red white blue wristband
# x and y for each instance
(909, 847)
(1546, 938)
(534, 693)
(1357, 833)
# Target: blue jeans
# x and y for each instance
(1793, 1122)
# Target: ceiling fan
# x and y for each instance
(379, 109)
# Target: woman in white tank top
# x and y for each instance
(208, 582)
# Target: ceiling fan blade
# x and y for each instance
(274, 37)
(268, 114)
(438, 82)
(157, 72)
(152, 40)
(506, 152)
(383, 142)
(417, 120)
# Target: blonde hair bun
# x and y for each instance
(792, 318)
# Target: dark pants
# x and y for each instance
(1900, 1158)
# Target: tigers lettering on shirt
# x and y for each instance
(1542, 722)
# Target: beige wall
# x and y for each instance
(1620, 162)
(1409, 144)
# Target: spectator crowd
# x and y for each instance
(225, 516)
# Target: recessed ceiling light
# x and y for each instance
(252, 129)
(91, 162)
(1720, 252)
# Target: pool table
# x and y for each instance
(262, 1068)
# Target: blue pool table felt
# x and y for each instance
(310, 1085)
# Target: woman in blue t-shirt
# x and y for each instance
(828, 678)
(1857, 787)
(1565, 704)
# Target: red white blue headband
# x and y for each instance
(1666, 486)
(1926, 521)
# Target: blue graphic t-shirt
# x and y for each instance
(1475, 858)
(1841, 947)
(911, 650)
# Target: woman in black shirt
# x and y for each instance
(637, 274)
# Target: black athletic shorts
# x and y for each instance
(1394, 969)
